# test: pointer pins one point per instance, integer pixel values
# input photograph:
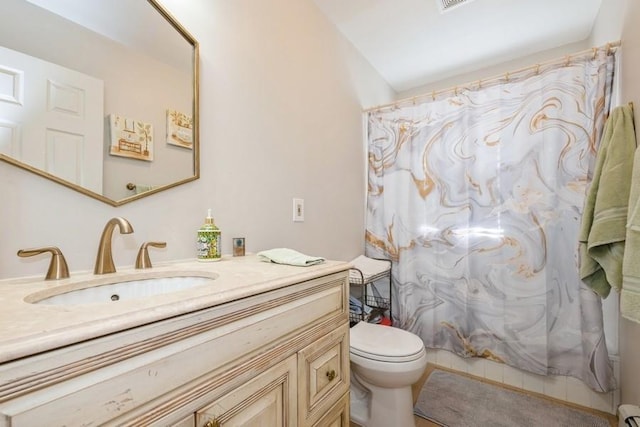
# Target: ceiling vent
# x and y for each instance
(447, 5)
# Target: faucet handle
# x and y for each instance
(143, 260)
(58, 268)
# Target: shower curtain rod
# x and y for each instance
(476, 84)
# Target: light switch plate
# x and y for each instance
(298, 210)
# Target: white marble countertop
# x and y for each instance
(28, 328)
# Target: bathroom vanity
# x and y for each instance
(261, 345)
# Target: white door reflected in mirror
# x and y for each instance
(54, 121)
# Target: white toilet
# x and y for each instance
(385, 362)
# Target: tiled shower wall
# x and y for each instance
(568, 389)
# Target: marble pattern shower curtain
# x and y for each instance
(477, 199)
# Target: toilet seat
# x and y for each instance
(385, 343)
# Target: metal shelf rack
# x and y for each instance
(380, 305)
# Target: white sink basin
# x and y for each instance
(123, 290)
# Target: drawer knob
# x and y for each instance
(212, 423)
(331, 374)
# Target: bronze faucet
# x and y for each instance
(143, 260)
(104, 260)
(57, 267)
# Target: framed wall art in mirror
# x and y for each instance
(68, 68)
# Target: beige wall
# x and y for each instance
(281, 101)
(609, 22)
(496, 70)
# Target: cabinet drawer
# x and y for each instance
(267, 400)
(323, 374)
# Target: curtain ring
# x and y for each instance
(595, 52)
(433, 95)
(568, 61)
(480, 84)
(506, 76)
(455, 91)
(537, 69)
(608, 49)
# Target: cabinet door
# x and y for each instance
(337, 416)
(267, 400)
(323, 374)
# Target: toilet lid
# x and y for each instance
(384, 343)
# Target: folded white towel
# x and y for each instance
(372, 269)
(289, 257)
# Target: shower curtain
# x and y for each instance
(477, 197)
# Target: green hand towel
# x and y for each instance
(630, 294)
(289, 257)
(603, 229)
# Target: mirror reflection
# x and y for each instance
(100, 95)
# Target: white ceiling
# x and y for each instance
(411, 43)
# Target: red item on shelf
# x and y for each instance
(385, 321)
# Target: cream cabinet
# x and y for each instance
(266, 400)
(279, 358)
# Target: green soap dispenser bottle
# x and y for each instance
(208, 244)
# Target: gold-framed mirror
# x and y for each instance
(100, 96)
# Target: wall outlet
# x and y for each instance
(298, 210)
